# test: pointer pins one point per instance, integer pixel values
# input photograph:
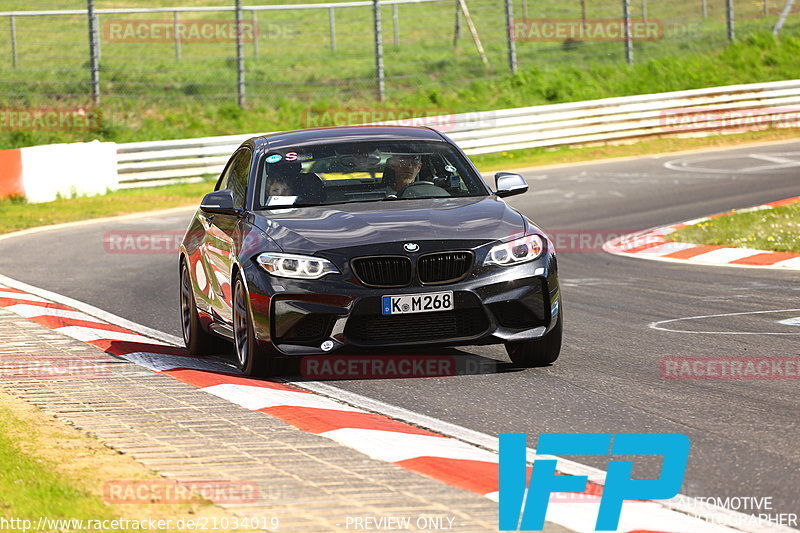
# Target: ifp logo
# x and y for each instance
(521, 512)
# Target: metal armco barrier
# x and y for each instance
(732, 108)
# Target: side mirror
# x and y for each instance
(509, 184)
(219, 202)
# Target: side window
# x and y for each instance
(239, 177)
(222, 182)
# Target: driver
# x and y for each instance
(401, 171)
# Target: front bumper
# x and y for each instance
(492, 305)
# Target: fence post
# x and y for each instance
(704, 4)
(583, 12)
(782, 18)
(626, 9)
(239, 55)
(644, 10)
(256, 33)
(13, 41)
(766, 8)
(396, 26)
(94, 53)
(473, 31)
(512, 50)
(457, 31)
(177, 37)
(332, 25)
(729, 16)
(376, 15)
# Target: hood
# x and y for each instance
(312, 229)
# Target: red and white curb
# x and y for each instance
(380, 437)
(656, 244)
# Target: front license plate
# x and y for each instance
(418, 303)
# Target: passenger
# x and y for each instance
(282, 179)
(279, 186)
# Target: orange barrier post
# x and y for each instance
(11, 173)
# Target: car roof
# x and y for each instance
(276, 141)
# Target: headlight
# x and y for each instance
(514, 252)
(296, 266)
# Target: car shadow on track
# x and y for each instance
(353, 363)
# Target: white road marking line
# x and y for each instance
(255, 398)
(772, 159)
(658, 324)
(790, 321)
(393, 446)
(683, 165)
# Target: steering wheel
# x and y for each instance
(431, 190)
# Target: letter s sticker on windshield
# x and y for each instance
(291, 156)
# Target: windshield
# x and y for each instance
(364, 172)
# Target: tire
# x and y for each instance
(197, 340)
(253, 357)
(537, 352)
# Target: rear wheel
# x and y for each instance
(196, 339)
(537, 352)
(253, 357)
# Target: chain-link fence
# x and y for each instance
(149, 52)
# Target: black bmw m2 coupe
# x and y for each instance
(364, 236)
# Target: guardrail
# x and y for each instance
(694, 112)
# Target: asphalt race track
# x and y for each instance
(745, 434)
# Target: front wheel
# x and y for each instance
(537, 352)
(253, 357)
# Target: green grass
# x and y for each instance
(31, 487)
(775, 229)
(16, 215)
